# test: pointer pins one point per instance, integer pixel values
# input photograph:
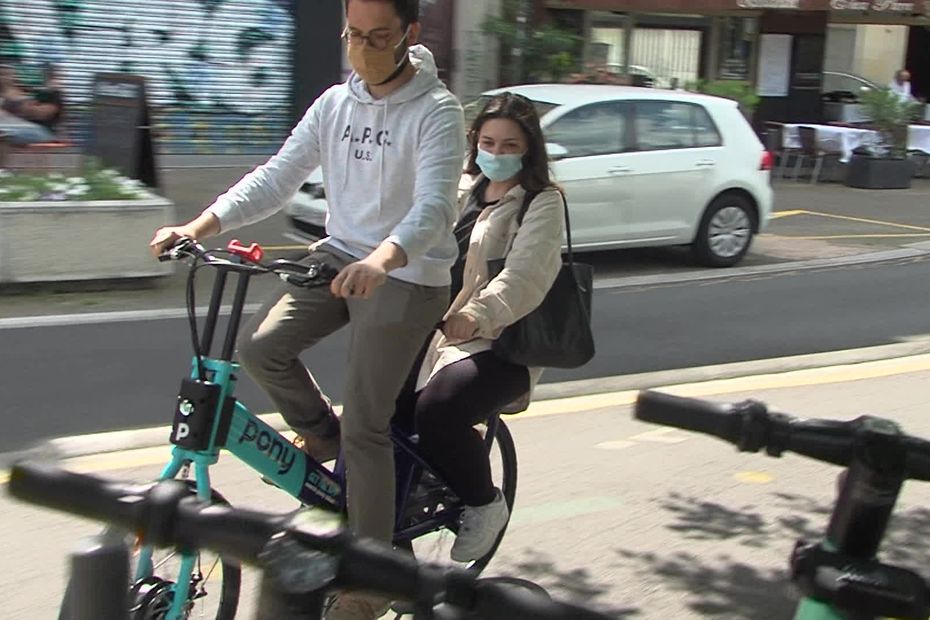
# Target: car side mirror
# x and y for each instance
(556, 151)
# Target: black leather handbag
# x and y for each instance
(557, 334)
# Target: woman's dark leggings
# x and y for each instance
(444, 413)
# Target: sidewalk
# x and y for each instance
(654, 521)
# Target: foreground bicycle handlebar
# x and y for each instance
(298, 559)
(841, 574)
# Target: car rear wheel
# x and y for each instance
(726, 231)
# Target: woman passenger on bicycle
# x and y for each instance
(459, 381)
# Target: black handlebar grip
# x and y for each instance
(231, 532)
(918, 458)
(51, 486)
(690, 414)
(830, 441)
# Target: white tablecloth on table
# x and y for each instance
(846, 139)
(832, 137)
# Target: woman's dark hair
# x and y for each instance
(534, 177)
(407, 10)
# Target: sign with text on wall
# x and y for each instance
(121, 131)
(774, 65)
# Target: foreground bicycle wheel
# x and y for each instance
(432, 497)
(212, 592)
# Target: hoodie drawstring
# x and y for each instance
(384, 118)
(345, 177)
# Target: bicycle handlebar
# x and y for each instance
(309, 275)
(166, 514)
(751, 428)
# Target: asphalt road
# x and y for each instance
(86, 378)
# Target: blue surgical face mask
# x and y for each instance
(499, 167)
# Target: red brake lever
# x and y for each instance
(253, 252)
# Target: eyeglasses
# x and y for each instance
(379, 39)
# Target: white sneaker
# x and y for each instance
(481, 525)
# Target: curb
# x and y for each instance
(115, 441)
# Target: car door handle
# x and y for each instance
(619, 170)
(706, 163)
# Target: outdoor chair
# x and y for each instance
(816, 150)
(775, 144)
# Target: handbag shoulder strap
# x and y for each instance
(528, 199)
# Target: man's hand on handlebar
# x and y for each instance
(166, 237)
(203, 226)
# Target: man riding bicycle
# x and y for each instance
(391, 142)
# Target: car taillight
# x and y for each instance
(768, 161)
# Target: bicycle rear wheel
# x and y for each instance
(213, 589)
(432, 497)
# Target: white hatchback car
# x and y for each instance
(639, 167)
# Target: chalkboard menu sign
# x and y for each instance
(122, 136)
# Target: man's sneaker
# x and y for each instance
(320, 449)
(481, 525)
(357, 606)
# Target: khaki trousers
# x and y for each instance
(387, 332)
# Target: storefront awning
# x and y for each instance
(882, 10)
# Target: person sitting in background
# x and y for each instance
(18, 108)
(901, 85)
(48, 101)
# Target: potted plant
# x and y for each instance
(90, 224)
(884, 164)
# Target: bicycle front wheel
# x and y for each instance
(211, 591)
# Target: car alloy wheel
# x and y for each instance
(730, 231)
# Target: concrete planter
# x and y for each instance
(879, 172)
(65, 241)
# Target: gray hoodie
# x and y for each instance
(390, 167)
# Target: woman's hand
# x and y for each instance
(460, 327)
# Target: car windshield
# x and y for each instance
(474, 107)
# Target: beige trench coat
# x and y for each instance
(533, 253)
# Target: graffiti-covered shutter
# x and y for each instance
(218, 71)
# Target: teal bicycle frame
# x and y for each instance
(208, 418)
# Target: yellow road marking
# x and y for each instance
(865, 236)
(754, 477)
(861, 220)
(284, 248)
(779, 214)
(617, 444)
(795, 378)
(660, 435)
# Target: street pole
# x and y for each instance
(517, 53)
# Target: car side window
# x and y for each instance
(705, 131)
(665, 125)
(594, 129)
